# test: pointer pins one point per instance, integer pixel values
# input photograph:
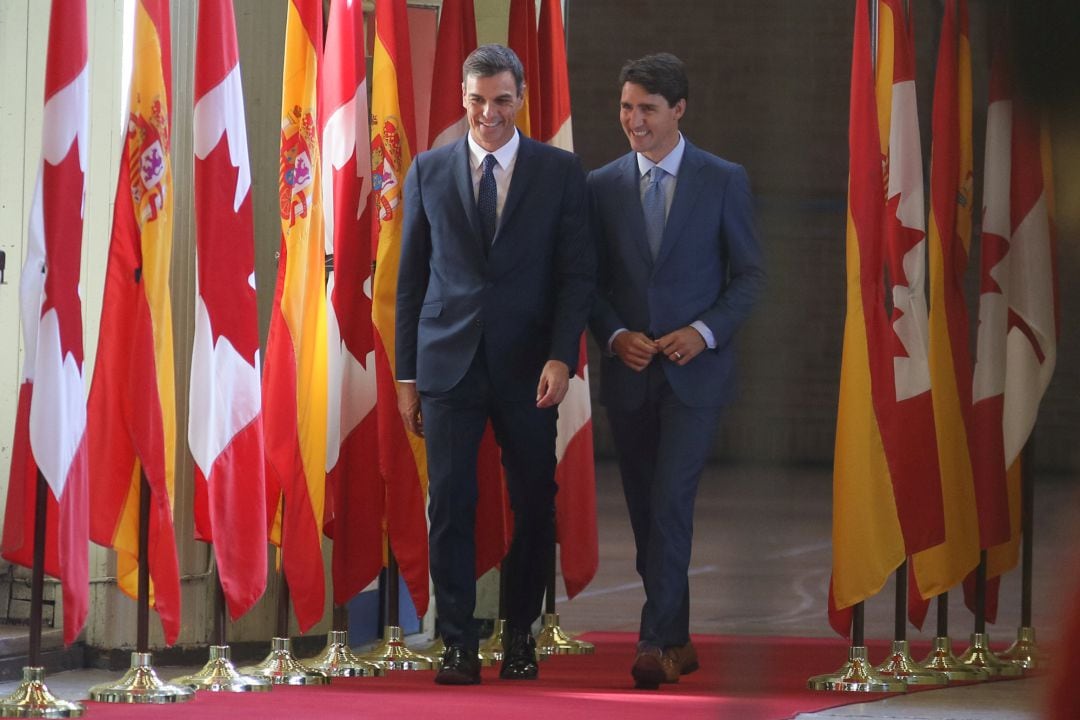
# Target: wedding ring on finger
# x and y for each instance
(677, 355)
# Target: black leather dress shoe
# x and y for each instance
(519, 656)
(459, 667)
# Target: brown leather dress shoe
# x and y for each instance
(680, 660)
(648, 670)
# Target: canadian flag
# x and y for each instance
(50, 423)
(225, 429)
(575, 503)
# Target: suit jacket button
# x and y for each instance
(478, 323)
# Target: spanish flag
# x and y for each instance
(295, 377)
(402, 459)
(132, 395)
(951, 196)
(868, 544)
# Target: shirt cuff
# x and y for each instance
(612, 338)
(706, 334)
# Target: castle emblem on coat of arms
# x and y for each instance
(148, 150)
(386, 160)
(299, 153)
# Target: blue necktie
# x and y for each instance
(487, 200)
(653, 204)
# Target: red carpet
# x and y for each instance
(743, 677)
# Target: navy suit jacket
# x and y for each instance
(709, 268)
(528, 297)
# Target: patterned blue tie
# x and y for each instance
(653, 204)
(487, 200)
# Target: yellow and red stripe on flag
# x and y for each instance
(402, 459)
(132, 395)
(295, 377)
(951, 194)
(867, 541)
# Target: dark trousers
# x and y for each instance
(662, 447)
(454, 423)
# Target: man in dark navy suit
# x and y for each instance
(496, 282)
(679, 270)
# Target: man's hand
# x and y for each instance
(554, 382)
(635, 349)
(408, 402)
(682, 345)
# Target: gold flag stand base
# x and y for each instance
(141, 685)
(219, 675)
(491, 650)
(33, 700)
(979, 655)
(942, 660)
(1025, 652)
(391, 653)
(901, 666)
(281, 667)
(338, 660)
(856, 675)
(551, 640)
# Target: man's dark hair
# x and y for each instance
(490, 60)
(660, 74)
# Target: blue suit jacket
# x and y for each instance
(709, 268)
(529, 298)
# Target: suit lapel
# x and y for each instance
(687, 189)
(464, 183)
(524, 171)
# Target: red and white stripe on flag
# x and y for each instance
(225, 430)
(50, 425)
(354, 491)
(575, 503)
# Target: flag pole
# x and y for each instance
(857, 674)
(491, 650)
(899, 664)
(281, 667)
(219, 674)
(979, 654)
(941, 657)
(552, 639)
(391, 653)
(1025, 651)
(141, 684)
(32, 698)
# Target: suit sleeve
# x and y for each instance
(746, 269)
(603, 320)
(575, 269)
(413, 273)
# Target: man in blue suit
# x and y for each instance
(496, 282)
(680, 268)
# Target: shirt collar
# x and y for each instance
(670, 162)
(504, 155)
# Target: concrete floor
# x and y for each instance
(761, 566)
